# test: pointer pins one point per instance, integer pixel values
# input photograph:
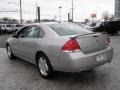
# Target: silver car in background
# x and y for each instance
(60, 47)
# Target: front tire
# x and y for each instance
(44, 66)
(9, 53)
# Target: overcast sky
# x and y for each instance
(49, 8)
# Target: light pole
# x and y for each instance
(21, 12)
(60, 7)
(36, 10)
(20, 5)
(72, 11)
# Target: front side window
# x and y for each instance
(22, 32)
(30, 32)
(33, 32)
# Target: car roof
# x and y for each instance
(46, 23)
(41, 23)
(49, 32)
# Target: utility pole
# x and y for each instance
(60, 13)
(21, 12)
(68, 17)
(38, 8)
(8, 11)
(72, 11)
(96, 12)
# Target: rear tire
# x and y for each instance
(9, 53)
(44, 66)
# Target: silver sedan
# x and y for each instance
(60, 47)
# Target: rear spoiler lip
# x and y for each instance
(84, 35)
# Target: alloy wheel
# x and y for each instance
(43, 66)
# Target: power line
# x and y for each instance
(8, 11)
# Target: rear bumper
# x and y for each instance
(76, 62)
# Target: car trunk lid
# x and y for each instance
(92, 42)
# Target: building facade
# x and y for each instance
(117, 9)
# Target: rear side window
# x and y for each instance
(69, 29)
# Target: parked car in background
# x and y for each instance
(0, 29)
(60, 47)
(3, 28)
(90, 25)
(9, 28)
(110, 27)
(18, 26)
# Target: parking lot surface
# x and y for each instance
(21, 75)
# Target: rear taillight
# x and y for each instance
(71, 46)
(108, 40)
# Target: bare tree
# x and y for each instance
(9, 20)
(6, 18)
(106, 15)
(111, 17)
(86, 20)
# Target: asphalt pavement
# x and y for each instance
(21, 75)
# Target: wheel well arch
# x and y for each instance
(38, 53)
(41, 52)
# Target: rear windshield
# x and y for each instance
(69, 29)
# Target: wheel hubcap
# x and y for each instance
(9, 51)
(43, 66)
